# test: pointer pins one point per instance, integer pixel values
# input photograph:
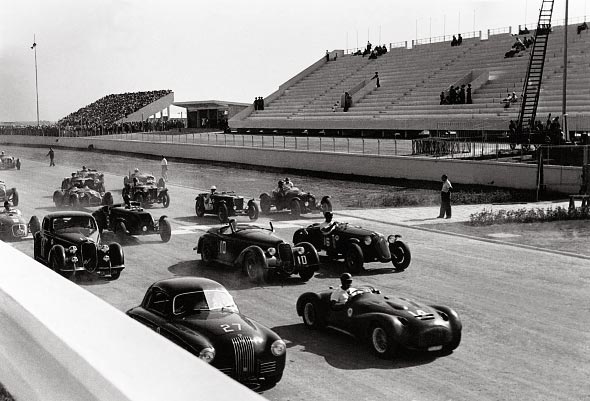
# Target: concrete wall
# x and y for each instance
(509, 175)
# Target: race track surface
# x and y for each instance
(524, 312)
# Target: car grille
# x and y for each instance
(239, 203)
(286, 255)
(433, 336)
(383, 247)
(244, 363)
(267, 367)
(89, 256)
(19, 230)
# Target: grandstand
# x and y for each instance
(412, 80)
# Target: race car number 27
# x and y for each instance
(228, 327)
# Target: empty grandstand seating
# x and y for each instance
(412, 80)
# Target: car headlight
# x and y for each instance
(207, 354)
(367, 240)
(106, 258)
(299, 249)
(74, 259)
(278, 348)
(104, 248)
(391, 239)
(235, 207)
(271, 251)
(144, 228)
(306, 204)
(72, 249)
(145, 190)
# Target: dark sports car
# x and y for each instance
(200, 316)
(295, 200)
(7, 162)
(258, 251)
(8, 194)
(225, 205)
(69, 242)
(14, 226)
(386, 322)
(146, 191)
(357, 245)
(131, 219)
(81, 196)
(91, 178)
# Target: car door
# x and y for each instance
(46, 241)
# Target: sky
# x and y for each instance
(230, 50)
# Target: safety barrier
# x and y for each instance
(60, 342)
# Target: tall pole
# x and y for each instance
(34, 47)
(564, 98)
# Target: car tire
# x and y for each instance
(208, 252)
(166, 199)
(222, 213)
(114, 275)
(57, 199)
(14, 197)
(200, 207)
(125, 181)
(382, 343)
(295, 208)
(57, 258)
(325, 204)
(34, 225)
(271, 382)
(107, 199)
(102, 189)
(165, 229)
(74, 201)
(306, 273)
(253, 210)
(400, 255)
(354, 259)
(265, 203)
(254, 265)
(311, 315)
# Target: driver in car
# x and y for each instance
(340, 296)
(328, 225)
(210, 194)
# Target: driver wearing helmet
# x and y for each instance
(210, 194)
(342, 294)
(288, 183)
(328, 225)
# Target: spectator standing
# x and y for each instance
(442, 97)
(164, 164)
(445, 198)
(469, 100)
(459, 40)
(376, 76)
(18, 164)
(452, 95)
(454, 41)
(261, 105)
(327, 56)
(51, 155)
(255, 103)
(462, 95)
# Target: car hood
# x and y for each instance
(76, 238)
(215, 324)
(397, 306)
(11, 218)
(259, 236)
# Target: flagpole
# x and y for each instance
(36, 79)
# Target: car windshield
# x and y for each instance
(73, 224)
(208, 300)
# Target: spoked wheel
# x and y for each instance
(265, 203)
(311, 317)
(400, 255)
(207, 252)
(223, 213)
(295, 208)
(354, 259)
(382, 343)
(166, 200)
(200, 207)
(253, 211)
(254, 266)
(165, 229)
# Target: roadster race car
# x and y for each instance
(258, 251)
(357, 245)
(225, 205)
(69, 242)
(91, 178)
(200, 316)
(8, 162)
(14, 226)
(81, 196)
(8, 194)
(295, 200)
(131, 219)
(146, 191)
(387, 322)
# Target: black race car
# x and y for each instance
(386, 322)
(258, 251)
(225, 205)
(131, 219)
(357, 245)
(91, 178)
(146, 191)
(69, 242)
(295, 200)
(77, 196)
(200, 316)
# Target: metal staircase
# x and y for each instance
(534, 75)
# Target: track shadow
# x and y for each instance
(287, 216)
(88, 279)
(130, 240)
(345, 352)
(331, 268)
(231, 278)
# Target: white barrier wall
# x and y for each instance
(60, 342)
(509, 175)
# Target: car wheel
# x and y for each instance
(306, 273)
(353, 258)
(14, 198)
(114, 275)
(57, 258)
(383, 344)
(200, 207)
(75, 201)
(165, 229)
(270, 382)
(311, 315)
(107, 199)
(166, 199)
(57, 199)
(265, 203)
(295, 208)
(116, 254)
(222, 213)
(326, 204)
(254, 266)
(34, 225)
(101, 188)
(253, 210)
(400, 255)
(208, 253)
(125, 181)
(138, 198)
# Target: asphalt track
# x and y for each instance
(525, 312)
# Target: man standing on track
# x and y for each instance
(445, 198)
(164, 168)
(51, 156)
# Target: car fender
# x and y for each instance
(251, 202)
(353, 241)
(454, 320)
(389, 322)
(199, 246)
(240, 259)
(305, 297)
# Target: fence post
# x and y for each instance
(497, 150)
(320, 143)
(334, 144)
(307, 143)
(347, 145)
(378, 146)
(363, 146)
(295, 143)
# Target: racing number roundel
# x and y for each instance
(349, 312)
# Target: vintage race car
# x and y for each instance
(14, 226)
(225, 205)
(8, 194)
(69, 242)
(76, 197)
(90, 178)
(295, 200)
(386, 322)
(131, 219)
(7, 162)
(146, 191)
(200, 316)
(357, 245)
(258, 251)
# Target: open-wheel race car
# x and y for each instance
(90, 178)
(8, 194)
(356, 244)
(144, 189)
(131, 219)
(386, 322)
(200, 316)
(225, 205)
(14, 226)
(294, 200)
(81, 196)
(70, 242)
(258, 251)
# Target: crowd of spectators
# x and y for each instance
(509, 99)
(457, 41)
(457, 95)
(551, 129)
(105, 111)
(582, 27)
(373, 53)
(518, 46)
(259, 103)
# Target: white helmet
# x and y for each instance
(136, 170)
(213, 188)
